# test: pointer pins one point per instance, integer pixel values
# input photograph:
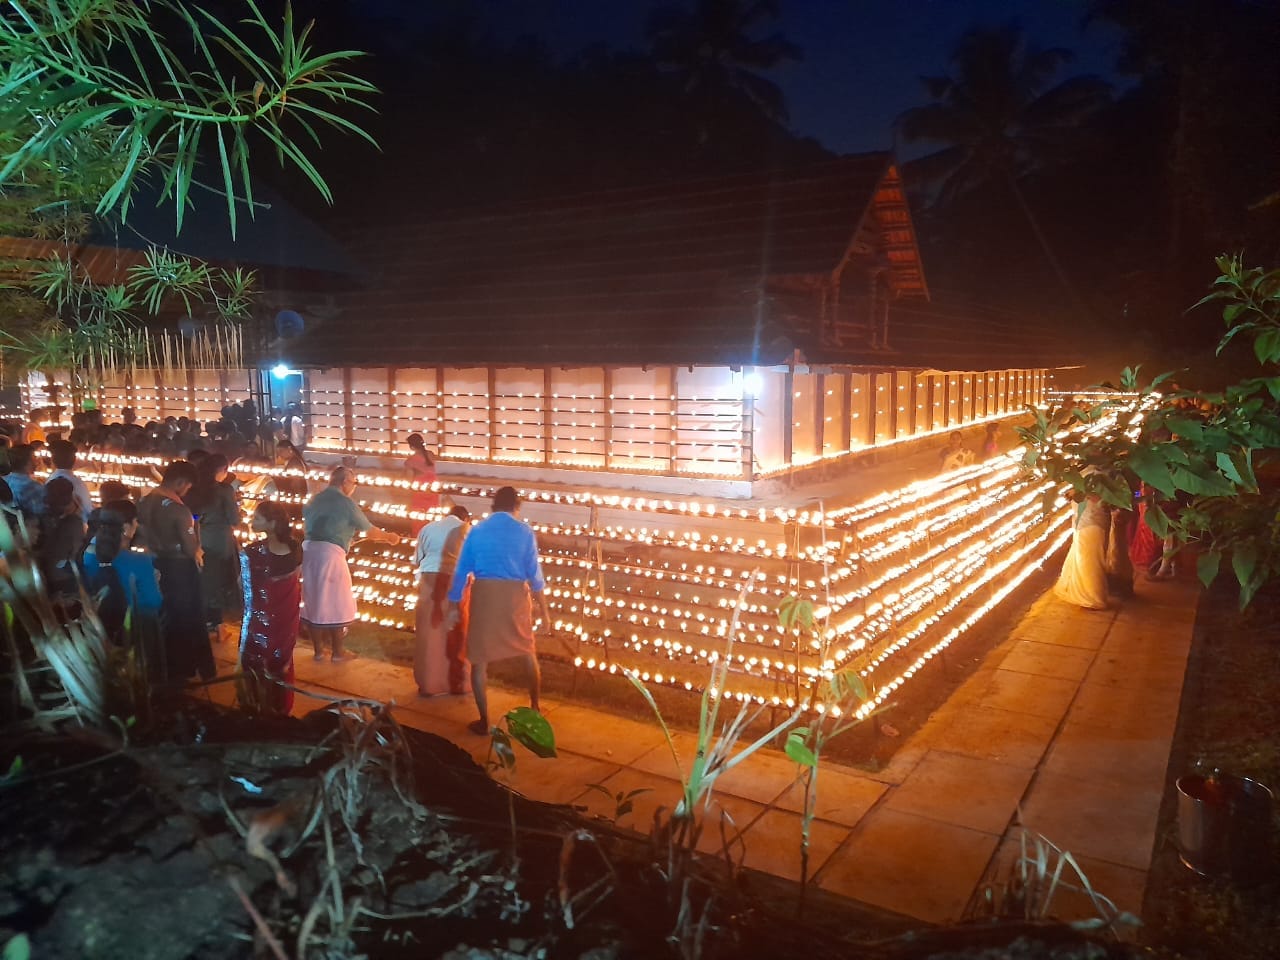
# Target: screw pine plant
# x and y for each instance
(113, 91)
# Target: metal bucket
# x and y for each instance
(1224, 826)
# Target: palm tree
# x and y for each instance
(1000, 120)
(712, 49)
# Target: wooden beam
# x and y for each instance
(348, 419)
(439, 410)
(788, 416)
(846, 412)
(391, 408)
(673, 442)
(819, 404)
(547, 413)
(492, 377)
(893, 405)
(606, 414)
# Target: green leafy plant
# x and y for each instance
(837, 695)
(1039, 873)
(623, 800)
(532, 730)
(1198, 453)
(715, 754)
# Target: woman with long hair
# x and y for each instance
(420, 468)
(269, 577)
(213, 502)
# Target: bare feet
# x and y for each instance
(345, 657)
(478, 727)
(319, 656)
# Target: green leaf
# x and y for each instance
(1244, 560)
(798, 750)
(1152, 469)
(1266, 346)
(1157, 520)
(1202, 484)
(18, 947)
(533, 730)
(1228, 467)
(1207, 566)
(15, 769)
(1190, 429)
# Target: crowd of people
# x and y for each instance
(166, 569)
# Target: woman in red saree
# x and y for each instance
(270, 575)
(420, 467)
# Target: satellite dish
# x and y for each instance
(289, 324)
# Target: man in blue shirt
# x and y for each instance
(500, 559)
(28, 492)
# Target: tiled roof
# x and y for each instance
(675, 273)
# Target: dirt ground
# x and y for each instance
(1229, 721)
(345, 837)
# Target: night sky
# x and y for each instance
(862, 58)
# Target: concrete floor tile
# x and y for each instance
(1128, 711)
(912, 865)
(1138, 671)
(1078, 632)
(1091, 818)
(773, 844)
(656, 792)
(965, 791)
(554, 780)
(1020, 692)
(1172, 643)
(597, 734)
(843, 798)
(1106, 755)
(1018, 739)
(725, 823)
(657, 759)
(762, 777)
(1048, 660)
(1125, 887)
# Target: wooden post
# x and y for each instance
(820, 416)
(893, 405)
(748, 435)
(846, 412)
(159, 385)
(491, 385)
(548, 412)
(606, 381)
(788, 415)
(673, 438)
(191, 393)
(391, 408)
(439, 410)
(873, 411)
(913, 414)
(348, 417)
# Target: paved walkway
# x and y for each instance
(1070, 720)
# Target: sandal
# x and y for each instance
(478, 727)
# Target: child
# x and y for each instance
(125, 582)
(270, 575)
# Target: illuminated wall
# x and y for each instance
(649, 585)
(717, 422)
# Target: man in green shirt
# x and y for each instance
(332, 520)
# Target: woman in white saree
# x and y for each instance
(1083, 580)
